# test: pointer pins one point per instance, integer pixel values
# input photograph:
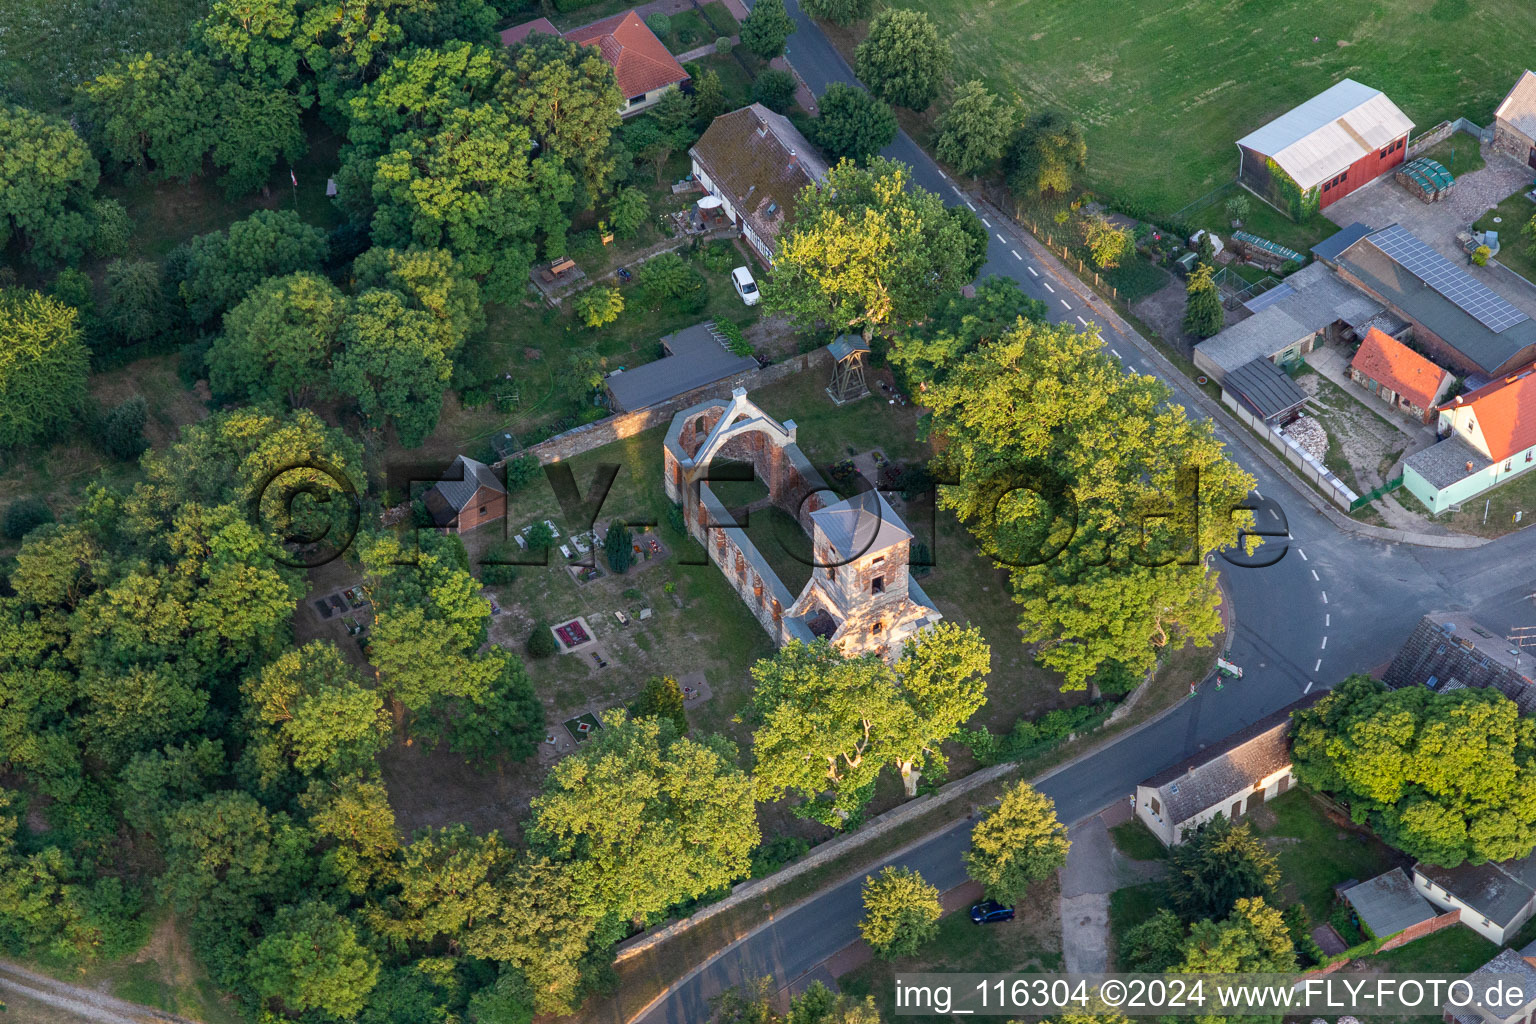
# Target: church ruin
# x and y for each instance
(860, 596)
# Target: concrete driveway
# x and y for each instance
(1094, 869)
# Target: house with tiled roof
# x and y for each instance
(1488, 436)
(1511, 973)
(756, 163)
(1230, 778)
(1398, 375)
(1514, 122)
(642, 65)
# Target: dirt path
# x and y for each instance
(84, 1003)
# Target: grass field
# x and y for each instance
(1315, 854)
(1165, 89)
(1509, 219)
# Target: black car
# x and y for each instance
(989, 911)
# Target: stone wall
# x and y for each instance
(627, 424)
(1422, 929)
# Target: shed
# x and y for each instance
(1398, 375)
(1265, 390)
(694, 357)
(1324, 149)
(1494, 899)
(469, 495)
(1388, 903)
(1514, 121)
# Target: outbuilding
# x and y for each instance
(1514, 122)
(470, 495)
(1398, 375)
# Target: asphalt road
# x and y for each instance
(1333, 604)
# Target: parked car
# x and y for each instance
(990, 911)
(741, 280)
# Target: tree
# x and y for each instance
(1254, 939)
(674, 116)
(618, 547)
(354, 814)
(113, 226)
(43, 366)
(225, 853)
(1155, 945)
(254, 38)
(901, 912)
(766, 29)
(448, 879)
(974, 129)
(599, 306)
(1108, 244)
(926, 352)
(24, 515)
(1104, 539)
(1017, 843)
(219, 268)
(428, 280)
(1044, 155)
(46, 187)
(507, 721)
(841, 12)
(661, 697)
(311, 715)
(568, 97)
(278, 341)
(136, 306)
(668, 278)
(1217, 864)
(775, 90)
(660, 24)
(1205, 249)
(310, 959)
(904, 60)
(820, 1005)
(541, 644)
(540, 537)
(258, 127)
(647, 818)
(976, 232)
(708, 98)
(627, 210)
(393, 363)
(866, 251)
(123, 432)
(852, 124)
(1203, 315)
(829, 724)
(1238, 207)
(1447, 778)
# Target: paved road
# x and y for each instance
(1334, 604)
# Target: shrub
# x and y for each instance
(659, 24)
(112, 228)
(627, 210)
(122, 433)
(541, 642)
(522, 471)
(540, 537)
(496, 566)
(675, 520)
(24, 515)
(734, 339)
(1480, 255)
(723, 45)
(775, 90)
(719, 256)
(775, 853)
(618, 545)
(670, 280)
(599, 306)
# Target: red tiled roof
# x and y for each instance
(1388, 361)
(640, 61)
(1505, 412)
(517, 33)
(759, 161)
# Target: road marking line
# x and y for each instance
(1327, 619)
(1256, 494)
(957, 190)
(971, 205)
(986, 222)
(1325, 597)
(1274, 515)
(1048, 287)
(1314, 575)
(1309, 685)
(1303, 555)
(1325, 643)
(1016, 254)
(1116, 354)
(1032, 271)
(1000, 237)
(1064, 302)
(1081, 320)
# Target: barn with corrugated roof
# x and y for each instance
(1321, 151)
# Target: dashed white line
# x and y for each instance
(1256, 494)
(1081, 320)
(1016, 254)
(1000, 238)
(1327, 619)
(1048, 287)
(1276, 515)
(1325, 597)
(1064, 302)
(1318, 665)
(1032, 271)
(1325, 643)
(957, 191)
(1116, 354)
(1309, 685)
(1303, 555)
(971, 205)
(1314, 575)
(986, 222)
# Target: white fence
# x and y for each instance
(1334, 489)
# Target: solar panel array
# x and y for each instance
(1424, 263)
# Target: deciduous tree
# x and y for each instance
(925, 352)
(599, 306)
(1252, 939)
(627, 210)
(775, 90)
(220, 267)
(46, 185)
(43, 366)
(645, 817)
(852, 123)
(393, 364)
(766, 29)
(310, 958)
(974, 129)
(904, 60)
(901, 912)
(278, 342)
(1045, 155)
(567, 96)
(1017, 843)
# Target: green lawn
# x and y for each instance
(1130, 906)
(1137, 842)
(1460, 154)
(1315, 854)
(1509, 219)
(1451, 950)
(1165, 89)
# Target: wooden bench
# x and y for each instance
(562, 265)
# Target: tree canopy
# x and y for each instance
(766, 29)
(974, 129)
(278, 341)
(1448, 778)
(867, 251)
(1217, 864)
(43, 366)
(828, 724)
(925, 352)
(901, 912)
(1044, 155)
(904, 60)
(852, 124)
(1016, 843)
(1102, 501)
(218, 269)
(47, 181)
